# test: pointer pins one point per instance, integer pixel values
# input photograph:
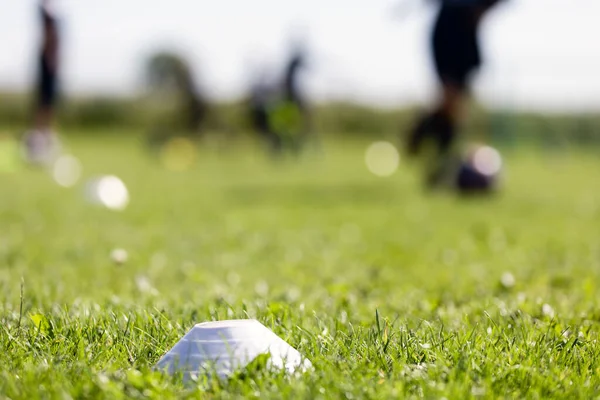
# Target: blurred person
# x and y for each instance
(291, 115)
(41, 144)
(261, 94)
(456, 55)
(294, 92)
(279, 110)
(169, 75)
(291, 86)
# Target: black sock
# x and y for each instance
(419, 133)
(436, 126)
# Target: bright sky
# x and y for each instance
(540, 53)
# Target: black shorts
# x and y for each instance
(455, 45)
(47, 85)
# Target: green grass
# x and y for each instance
(389, 292)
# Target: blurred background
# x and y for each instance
(368, 65)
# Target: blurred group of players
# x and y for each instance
(280, 112)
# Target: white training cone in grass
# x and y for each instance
(224, 347)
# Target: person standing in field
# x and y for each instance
(291, 86)
(41, 144)
(456, 55)
(260, 99)
(292, 116)
(278, 107)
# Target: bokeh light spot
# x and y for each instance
(109, 191)
(487, 161)
(66, 171)
(178, 154)
(119, 256)
(382, 159)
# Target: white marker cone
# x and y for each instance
(224, 347)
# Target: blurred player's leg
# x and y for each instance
(294, 100)
(455, 54)
(262, 124)
(261, 98)
(455, 51)
(41, 144)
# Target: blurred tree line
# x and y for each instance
(344, 119)
(174, 103)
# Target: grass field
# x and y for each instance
(389, 292)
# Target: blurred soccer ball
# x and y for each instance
(480, 170)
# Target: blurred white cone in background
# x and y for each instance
(108, 191)
(224, 347)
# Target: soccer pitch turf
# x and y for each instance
(390, 293)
